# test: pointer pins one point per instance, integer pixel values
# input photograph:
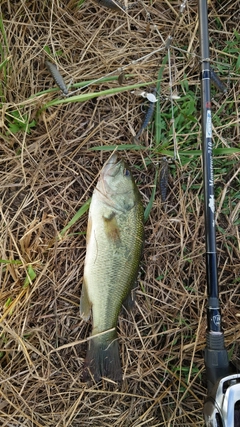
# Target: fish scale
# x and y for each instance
(114, 246)
(113, 272)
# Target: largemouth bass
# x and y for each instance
(114, 246)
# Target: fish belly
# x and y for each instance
(110, 265)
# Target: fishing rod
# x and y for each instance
(222, 404)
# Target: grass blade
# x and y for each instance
(157, 111)
(118, 147)
(87, 96)
(152, 198)
(76, 217)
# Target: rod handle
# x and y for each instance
(215, 358)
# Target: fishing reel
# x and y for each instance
(222, 405)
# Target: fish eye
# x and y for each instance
(126, 172)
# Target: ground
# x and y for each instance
(51, 153)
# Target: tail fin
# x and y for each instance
(103, 359)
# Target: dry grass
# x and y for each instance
(47, 175)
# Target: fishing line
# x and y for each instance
(144, 57)
(176, 155)
(118, 70)
(168, 44)
(165, 45)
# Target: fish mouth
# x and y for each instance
(108, 173)
(111, 167)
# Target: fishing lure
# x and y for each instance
(121, 78)
(164, 170)
(149, 113)
(57, 76)
(114, 5)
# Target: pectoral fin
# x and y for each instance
(85, 304)
(111, 227)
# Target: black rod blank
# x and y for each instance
(216, 358)
(208, 180)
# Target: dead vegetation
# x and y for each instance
(48, 174)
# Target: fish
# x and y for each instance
(114, 247)
(57, 77)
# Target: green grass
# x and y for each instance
(159, 122)
(186, 118)
(91, 95)
(30, 277)
(152, 198)
(84, 208)
(17, 122)
(232, 48)
(11, 261)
